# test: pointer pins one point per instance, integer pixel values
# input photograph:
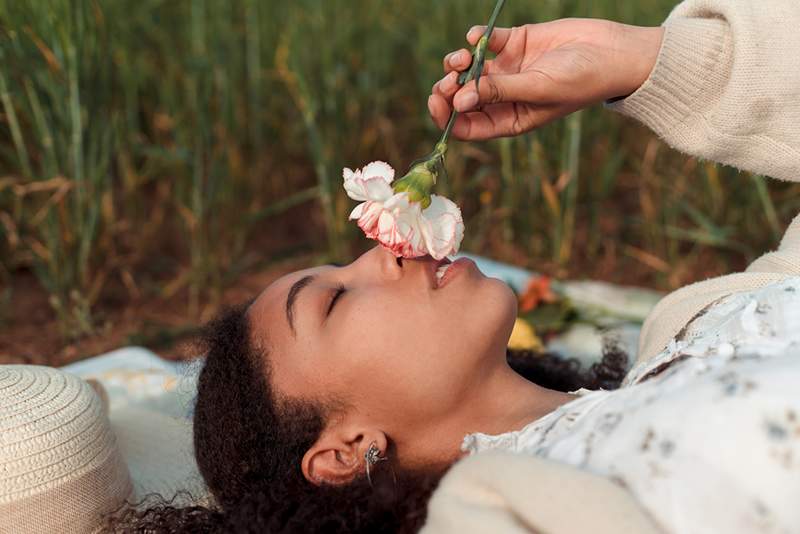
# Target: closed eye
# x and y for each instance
(338, 292)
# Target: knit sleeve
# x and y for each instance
(726, 85)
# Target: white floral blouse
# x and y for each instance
(706, 435)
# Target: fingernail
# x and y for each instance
(468, 101)
(430, 103)
(449, 58)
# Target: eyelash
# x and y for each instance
(340, 289)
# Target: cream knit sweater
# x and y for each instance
(725, 87)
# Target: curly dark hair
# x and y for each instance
(249, 442)
(553, 371)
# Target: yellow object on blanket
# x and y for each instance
(523, 337)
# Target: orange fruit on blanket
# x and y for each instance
(537, 292)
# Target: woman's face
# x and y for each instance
(382, 337)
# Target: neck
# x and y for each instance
(499, 401)
(505, 401)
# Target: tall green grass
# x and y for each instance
(149, 143)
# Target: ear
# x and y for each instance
(337, 457)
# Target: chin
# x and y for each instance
(499, 306)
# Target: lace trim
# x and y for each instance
(478, 441)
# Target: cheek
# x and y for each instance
(394, 354)
(403, 349)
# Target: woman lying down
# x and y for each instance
(338, 398)
(333, 409)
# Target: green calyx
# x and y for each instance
(418, 182)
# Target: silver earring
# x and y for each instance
(372, 457)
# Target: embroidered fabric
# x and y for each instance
(706, 435)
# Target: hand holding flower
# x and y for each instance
(542, 72)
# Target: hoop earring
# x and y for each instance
(372, 457)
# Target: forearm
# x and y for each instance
(726, 85)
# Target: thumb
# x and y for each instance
(527, 87)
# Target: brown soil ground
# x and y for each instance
(32, 335)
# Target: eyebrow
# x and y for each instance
(291, 297)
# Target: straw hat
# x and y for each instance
(60, 467)
(72, 450)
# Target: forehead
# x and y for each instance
(269, 308)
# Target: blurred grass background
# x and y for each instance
(163, 147)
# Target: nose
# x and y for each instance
(384, 261)
(395, 263)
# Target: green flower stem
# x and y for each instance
(421, 177)
(447, 129)
(476, 69)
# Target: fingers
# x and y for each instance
(475, 125)
(439, 110)
(496, 121)
(501, 120)
(440, 103)
(458, 60)
(461, 59)
(497, 88)
(441, 98)
(497, 41)
(447, 86)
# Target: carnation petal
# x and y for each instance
(441, 205)
(386, 224)
(443, 227)
(354, 188)
(377, 189)
(379, 169)
(357, 211)
(370, 218)
(368, 189)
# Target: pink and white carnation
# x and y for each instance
(399, 224)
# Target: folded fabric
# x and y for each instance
(511, 493)
(150, 402)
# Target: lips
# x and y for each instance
(437, 269)
(440, 272)
(430, 268)
(453, 269)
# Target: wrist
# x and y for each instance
(637, 52)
